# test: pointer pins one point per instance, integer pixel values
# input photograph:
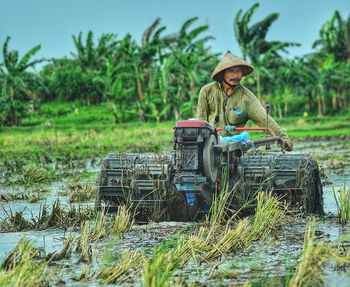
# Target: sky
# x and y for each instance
(52, 23)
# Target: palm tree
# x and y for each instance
(16, 91)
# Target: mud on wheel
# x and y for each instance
(294, 177)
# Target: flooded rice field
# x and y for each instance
(52, 211)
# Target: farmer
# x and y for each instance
(226, 103)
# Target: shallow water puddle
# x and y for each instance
(47, 240)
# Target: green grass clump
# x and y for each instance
(69, 142)
(343, 204)
(90, 133)
(159, 269)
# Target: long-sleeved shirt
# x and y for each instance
(219, 109)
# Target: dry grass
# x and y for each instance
(33, 194)
(21, 269)
(84, 273)
(66, 251)
(83, 246)
(14, 221)
(219, 210)
(118, 273)
(123, 221)
(315, 256)
(230, 240)
(48, 217)
(269, 215)
(99, 229)
(33, 174)
(215, 240)
(13, 196)
(80, 192)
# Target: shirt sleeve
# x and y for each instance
(257, 114)
(202, 107)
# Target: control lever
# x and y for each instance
(267, 108)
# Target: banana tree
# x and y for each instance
(189, 64)
(90, 56)
(334, 38)
(16, 91)
(252, 41)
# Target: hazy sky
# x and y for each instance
(52, 23)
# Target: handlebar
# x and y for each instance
(265, 141)
(239, 129)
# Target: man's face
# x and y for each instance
(232, 76)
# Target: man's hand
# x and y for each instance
(288, 144)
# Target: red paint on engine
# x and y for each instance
(192, 124)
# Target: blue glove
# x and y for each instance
(229, 129)
(242, 137)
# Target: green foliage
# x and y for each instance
(343, 204)
(90, 57)
(66, 81)
(159, 269)
(335, 38)
(159, 77)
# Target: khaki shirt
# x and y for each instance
(215, 107)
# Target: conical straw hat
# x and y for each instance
(231, 60)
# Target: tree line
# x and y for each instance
(160, 77)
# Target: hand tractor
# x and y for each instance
(181, 185)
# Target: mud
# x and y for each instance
(268, 262)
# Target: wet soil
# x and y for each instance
(268, 262)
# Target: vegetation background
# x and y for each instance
(113, 80)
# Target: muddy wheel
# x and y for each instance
(292, 177)
(176, 206)
(312, 196)
(105, 203)
(99, 181)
